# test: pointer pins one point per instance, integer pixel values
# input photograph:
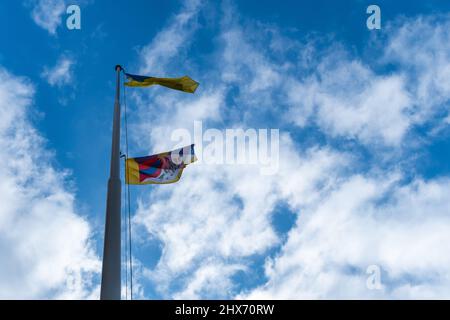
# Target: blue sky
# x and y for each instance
(364, 153)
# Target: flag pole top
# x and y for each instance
(118, 68)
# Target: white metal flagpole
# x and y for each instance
(111, 268)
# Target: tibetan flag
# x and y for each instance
(185, 83)
(160, 168)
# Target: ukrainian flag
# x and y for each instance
(184, 84)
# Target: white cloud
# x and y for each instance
(365, 219)
(323, 84)
(328, 252)
(173, 38)
(246, 66)
(179, 112)
(447, 120)
(349, 100)
(211, 280)
(60, 74)
(217, 217)
(47, 14)
(421, 47)
(46, 251)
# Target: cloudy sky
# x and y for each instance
(363, 179)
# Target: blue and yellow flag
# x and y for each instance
(185, 83)
(161, 168)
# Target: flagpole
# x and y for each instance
(110, 287)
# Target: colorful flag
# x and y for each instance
(185, 83)
(160, 168)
